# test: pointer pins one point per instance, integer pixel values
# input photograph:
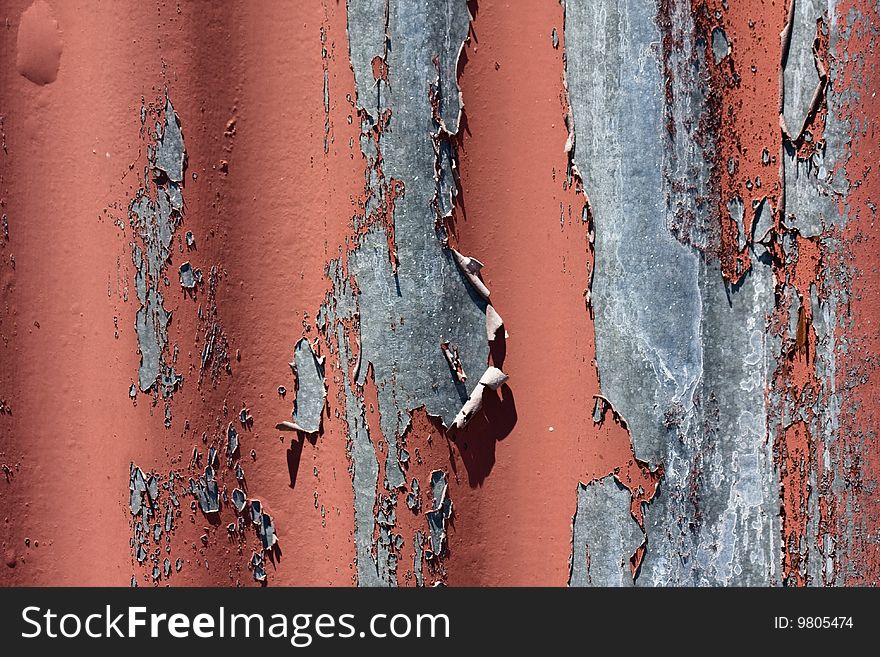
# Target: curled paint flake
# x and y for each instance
(493, 378)
(287, 425)
(493, 323)
(231, 441)
(266, 529)
(208, 493)
(256, 511)
(245, 417)
(257, 566)
(471, 267)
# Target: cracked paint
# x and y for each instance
(675, 205)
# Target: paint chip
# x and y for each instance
(257, 566)
(471, 267)
(493, 323)
(231, 441)
(239, 500)
(493, 378)
(720, 44)
(311, 393)
(187, 278)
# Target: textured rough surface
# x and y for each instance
(698, 410)
(577, 292)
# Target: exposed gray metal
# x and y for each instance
(815, 190)
(604, 535)
(207, 492)
(715, 518)
(187, 278)
(736, 209)
(364, 460)
(405, 314)
(438, 516)
(800, 76)
(645, 281)
(720, 44)
(664, 316)
(153, 215)
(266, 530)
(170, 151)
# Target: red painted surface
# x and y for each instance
(269, 208)
(73, 160)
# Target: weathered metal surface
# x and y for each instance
(670, 203)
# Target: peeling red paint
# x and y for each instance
(518, 200)
(857, 375)
(743, 116)
(275, 174)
